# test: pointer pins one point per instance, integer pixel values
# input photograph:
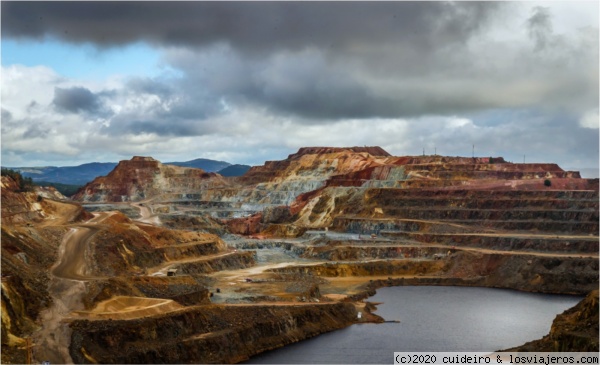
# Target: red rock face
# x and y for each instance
(17, 207)
(447, 172)
(144, 177)
(320, 184)
(245, 226)
(33, 206)
(372, 150)
(320, 162)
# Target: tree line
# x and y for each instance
(24, 183)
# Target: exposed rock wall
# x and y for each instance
(27, 255)
(281, 182)
(370, 268)
(372, 150)
(142, 178)
(576, 329)
(389, 209)
(183, 289)
(124, 247)
(236, 260)
(509, 243)
(567, 275)
(29, 249)
(364, 252)
(203, 223)
(25, 207)
(205, 334)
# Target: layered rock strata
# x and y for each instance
(143, 178)
(207, 334)
(576, 329)
(327, 226)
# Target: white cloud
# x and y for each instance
(590, 120)
(248, 104)
(23, 87)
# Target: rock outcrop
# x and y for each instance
(576, 329)
(30, 243)
(27, 207)
(144, 177)
(207, 334)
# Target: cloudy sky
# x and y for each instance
(247, 82)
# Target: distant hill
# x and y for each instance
(202, 163)
(71, 175)
(82, 174)
(234, 170)
(64, 189)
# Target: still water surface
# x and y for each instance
(433, 318)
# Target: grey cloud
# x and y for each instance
(539, 26)
(171, 127)
(542, 137)
(178, 101)
(247, 25)
(35, 131)
(76, 99)
(321, 62)
(5, 115)
(8, 122)
(150, 86)
(314, 85)
(357, 45)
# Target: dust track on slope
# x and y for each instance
(66, 287)
(126, 307)
(147, 216)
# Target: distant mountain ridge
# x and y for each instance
(72, 175)
(202, 163)
(82, 174)
(234, 170)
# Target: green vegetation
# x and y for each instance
(24, 183)
(234, 170)
(27, 184)
(64, 189)
(547, 182)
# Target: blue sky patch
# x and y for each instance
(84, 61)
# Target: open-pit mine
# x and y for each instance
(164, 264)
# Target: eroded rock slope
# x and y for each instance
(286, 251)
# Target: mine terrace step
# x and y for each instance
(508, 242)
(479, 203)
(492, 214)
(366, 225)
(470, 193)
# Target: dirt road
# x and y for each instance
(66, 287)
(147, 215)
(72, 255)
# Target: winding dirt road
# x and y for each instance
(72, 263)
(66, 287)
(147, 215)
